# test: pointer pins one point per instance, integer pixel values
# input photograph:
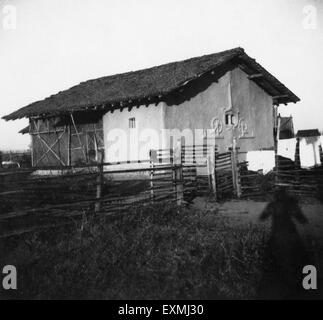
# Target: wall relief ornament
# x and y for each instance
(243, 128)
(217, 126)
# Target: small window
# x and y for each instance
(132, 123)
(229, 119)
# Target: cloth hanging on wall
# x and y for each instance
(309, 151)
(286, 148)
(261, 160)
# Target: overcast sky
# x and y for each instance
(59, 43)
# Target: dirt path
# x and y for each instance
(248, 211)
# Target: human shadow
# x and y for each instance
(285, 253)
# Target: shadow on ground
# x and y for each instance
(285, 254)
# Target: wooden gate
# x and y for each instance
(224, 175)
(189, 171)
(195, 160)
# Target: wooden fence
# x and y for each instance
(198, 169)
(224, 175)
(297, 180)
(204, 169)
(30, 201)
(287, 174)
(189, 175)
(40, 197)
(251, 182)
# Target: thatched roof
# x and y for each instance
(116, 91)
(308, 133)
(24, 130)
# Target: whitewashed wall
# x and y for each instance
(123, 143)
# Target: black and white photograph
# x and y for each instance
(161, 154)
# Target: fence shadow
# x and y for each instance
(285, 253)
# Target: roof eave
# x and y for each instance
(260, 75)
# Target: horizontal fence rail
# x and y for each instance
(43, 197)
(34, 198)
(250, 181)
(297, 180)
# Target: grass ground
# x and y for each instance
(205, 251)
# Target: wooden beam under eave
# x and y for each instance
(245, 68)
(280, 96)
(255, 76)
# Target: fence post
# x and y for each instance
(153, 158)
(321, 154)
(178, 173)
(235, 173)
(99, 183)
(211, 170)
(276, 151)
(238, 184)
